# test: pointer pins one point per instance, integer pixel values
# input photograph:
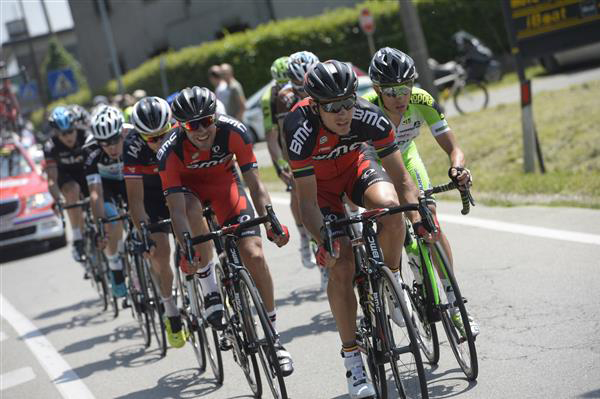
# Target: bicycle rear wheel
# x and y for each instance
(401, 346)
(109, 297)
(237, 338)
(460, 337)
(471, 97)
(260, 333)
(97, 274)
(211, 340)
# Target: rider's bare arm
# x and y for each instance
(405, 187)
(309, 208)
(258, 192)
(135, 199)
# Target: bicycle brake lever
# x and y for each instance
(275, 225)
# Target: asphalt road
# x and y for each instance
(531, 283)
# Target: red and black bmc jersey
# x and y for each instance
(182, 164)
(139, 161)
(313, 149)
(65, 158)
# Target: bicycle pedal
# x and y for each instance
(125, 304)
(225, 344)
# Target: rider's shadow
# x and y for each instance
(187, 383)
(321, 322)
(300, 296)
(442, 386)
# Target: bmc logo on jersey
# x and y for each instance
(233, 122)
(299, 137)
(166, 145)
(338, 151)
(371, 118)
(209, 164)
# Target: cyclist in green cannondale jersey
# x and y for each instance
(393, 74)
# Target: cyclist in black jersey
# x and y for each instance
(151, 118)
(104, 175)
(64, 160)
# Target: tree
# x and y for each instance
(58, 57)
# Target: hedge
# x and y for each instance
(333, 34)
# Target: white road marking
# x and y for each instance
(66, 380)
(16, 377)
(490, 224)
(3, 336)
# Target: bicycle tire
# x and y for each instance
(95, 268)
(234, 332)
(474, 92)
(469, 363)
(196, 340)
(376, 369)
(154, 309)
(421, 297)
(110, 298)
(211, 341)
(252, 306)
(411, 382)
(137, 296)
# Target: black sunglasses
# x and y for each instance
(336, 106)
(196, 123)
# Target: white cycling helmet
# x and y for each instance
(151, 116)
(299, 63)
(107, 123)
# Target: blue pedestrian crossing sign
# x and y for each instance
(28, 92)
(61, 82)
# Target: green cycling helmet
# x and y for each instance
(279, 69)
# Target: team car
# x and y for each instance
(25, 203)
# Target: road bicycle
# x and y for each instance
(94, 260)
(381, 335)
(248, 330)
(451, 79)
(429, 300)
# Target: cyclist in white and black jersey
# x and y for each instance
(151, 118)
(104, 175)
(64, 159)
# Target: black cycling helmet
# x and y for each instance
(330, 80)
(391, 66)
(193, 103)
(151, 116)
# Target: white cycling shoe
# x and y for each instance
(359, 386)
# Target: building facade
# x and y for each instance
(145, 28)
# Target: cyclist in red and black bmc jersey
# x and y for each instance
(326, 136)
(151, 118)
(197, 166)
(64, 159)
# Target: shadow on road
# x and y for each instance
(120, 333)
(87, 304)
(448, 387)
(300, 296)
(127, 356)
(12, 253)
(591, 394)
(98, 317)
(187, 383)
(320, 323)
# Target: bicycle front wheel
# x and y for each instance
(261, 334)
(457, 324)
(471, 97)
(236, 336)
(401, 346)
(137, 296)
(211, 341)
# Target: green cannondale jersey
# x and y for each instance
(266, 105)
(422, 108)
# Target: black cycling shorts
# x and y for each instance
(156, 208)
(78, 176)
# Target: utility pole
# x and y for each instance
(417, 45)
(111, 44)
(36, 70)
(46, 17)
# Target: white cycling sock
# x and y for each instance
(76, 234)
(115, 262)
(170, 306)
(208, 279)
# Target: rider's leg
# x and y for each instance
(70, 190)
(193, 209)
(161, 265)
(253, 257)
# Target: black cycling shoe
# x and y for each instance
(78, 251)
(286, 364)
(213, 307)
(225, 344)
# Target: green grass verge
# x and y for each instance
(567, 123)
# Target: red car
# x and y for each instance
(25, 203)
